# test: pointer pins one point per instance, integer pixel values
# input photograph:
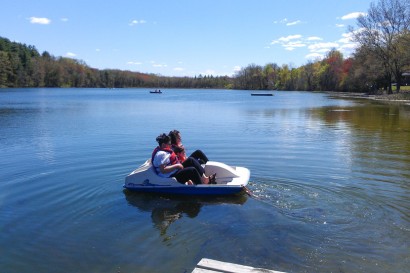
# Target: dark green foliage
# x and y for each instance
(24, 66)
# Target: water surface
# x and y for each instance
(330, 177)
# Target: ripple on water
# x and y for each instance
(331, 186)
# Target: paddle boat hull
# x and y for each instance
(229, 180)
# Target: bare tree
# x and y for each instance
(384, 33)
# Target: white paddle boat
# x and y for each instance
(229, 180)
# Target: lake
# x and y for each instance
(330, 179)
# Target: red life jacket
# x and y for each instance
(180, 152)
(173, 157)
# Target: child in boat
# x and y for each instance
(167, 164)
(178, 148)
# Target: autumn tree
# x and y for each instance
(383, 33)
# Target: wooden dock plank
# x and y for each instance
(208, 266)
(203, 270)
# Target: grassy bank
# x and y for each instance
(404, 94)
(402, 88)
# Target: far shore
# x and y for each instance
(402, 97)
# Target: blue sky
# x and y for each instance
(183, 37)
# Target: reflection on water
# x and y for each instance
(330, 178)
(166, 209)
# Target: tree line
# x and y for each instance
(383, 55)
(24, 66)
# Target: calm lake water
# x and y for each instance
(330, 177)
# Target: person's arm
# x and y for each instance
(167, 169)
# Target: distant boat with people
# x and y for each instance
(156, 92)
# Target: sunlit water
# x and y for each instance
(330, 178)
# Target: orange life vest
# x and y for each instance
(180, 152)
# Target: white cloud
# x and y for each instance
(293, 23)
(159, 65)
(287, 22)
(237, 68)
(340, 25)
(347, 38)
(293, 42)
(40, 20)
(136, 22)
(178, 69)
(70, 54)
(314, 56)
(134, 63)
(314, 38)
(292, 45)
(348, 35)
(318, 47)
(322, 50)
(64, 19)
(290, 37)
(283, 21)
(297, 44)
(348, 46)
(353, 15)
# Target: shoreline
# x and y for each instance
(402, 97)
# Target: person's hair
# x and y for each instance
(173, 135)
(162, 138)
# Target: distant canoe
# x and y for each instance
(261, 94)
(156, 92)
